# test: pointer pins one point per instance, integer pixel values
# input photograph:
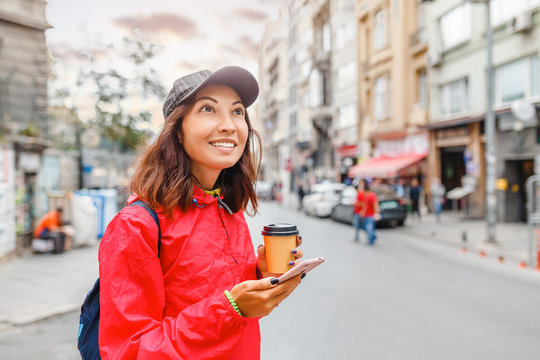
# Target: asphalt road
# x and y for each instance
(404, 298)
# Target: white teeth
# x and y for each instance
(223, 144)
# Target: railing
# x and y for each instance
(419, 37)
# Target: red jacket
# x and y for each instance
(174, 307)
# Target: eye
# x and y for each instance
(238, 111)
(207, 108)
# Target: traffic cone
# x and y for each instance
(522, 264)
(501, 259)
(463, 249)
(482, 253)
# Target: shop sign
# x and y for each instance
(501, 184)
(453, 132)
(348, 151)
(412, 144)
(29, 162)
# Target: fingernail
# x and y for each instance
(274, 281)
(303, 276)
(259, 247)
(291, 263)
(294, 251)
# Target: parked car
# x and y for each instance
(263, 190)
(393, 208)
(322, 198)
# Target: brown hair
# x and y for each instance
(163, 177)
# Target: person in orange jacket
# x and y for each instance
(50, 228)
(203, 296)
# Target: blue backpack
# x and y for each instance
(87, 340)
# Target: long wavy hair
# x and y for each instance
(163, 176)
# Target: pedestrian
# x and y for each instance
(438, 191)
(366, 212)
(301, 194)
(414, 194)
(50, 228)
(203, 296)
(400, 189)
(357, 218)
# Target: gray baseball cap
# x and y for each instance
(236, 77)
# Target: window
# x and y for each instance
(315, 88)
(504, 10)
(455, 26)
(346, 116)
(292, 122)
(381, 105)
(379, 34)
(346, 75)
(455, 97)
(344, 34)
(326, 35)
(518, 79)
(292, 95)
(422, 88)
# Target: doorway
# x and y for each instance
(452, 170)
(516, 173)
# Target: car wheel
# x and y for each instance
(401, 222)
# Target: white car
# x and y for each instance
(322, 199)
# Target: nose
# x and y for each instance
(226, 123)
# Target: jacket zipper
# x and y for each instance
(221, 206)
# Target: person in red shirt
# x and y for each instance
(50, 228)
(203, 295)
(366, 212)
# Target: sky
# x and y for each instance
(193, 35)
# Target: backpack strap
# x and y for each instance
(152, 213)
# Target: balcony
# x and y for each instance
(321, 59)
(418, 41)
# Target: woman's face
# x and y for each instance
(214, 131)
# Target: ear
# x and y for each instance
(179, 137)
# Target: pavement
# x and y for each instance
(36, 287)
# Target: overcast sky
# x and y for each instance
(194, 34)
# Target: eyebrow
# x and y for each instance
(215, 101)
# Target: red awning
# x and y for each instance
(384, 167)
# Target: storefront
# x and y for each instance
(392, 158)
(518, 144)
(456, 157)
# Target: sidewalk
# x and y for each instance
(512, 239)
(35, 287)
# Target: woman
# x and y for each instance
(203, 296)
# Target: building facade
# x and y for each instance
(24, 71)
(459, 99)
(392, 89)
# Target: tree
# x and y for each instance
(127, 77)
(116, 82)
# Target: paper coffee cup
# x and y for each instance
(279, 240)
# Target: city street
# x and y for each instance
(404, 298)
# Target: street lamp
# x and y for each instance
(491, 159)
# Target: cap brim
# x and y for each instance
(237, 78)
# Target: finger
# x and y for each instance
(297, 253)
(298, 240)
(262, 284)
(261, 251)
(289, 285)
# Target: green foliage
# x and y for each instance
(115, 84)
(30, 130)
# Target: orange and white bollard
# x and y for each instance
(538, 249)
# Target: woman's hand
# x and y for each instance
(261, 262)
(257, 298)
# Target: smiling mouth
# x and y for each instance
(223, 144)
